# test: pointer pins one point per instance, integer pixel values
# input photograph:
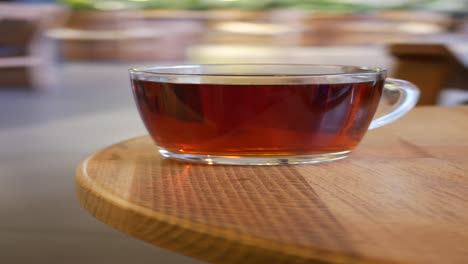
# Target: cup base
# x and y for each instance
(256, 160)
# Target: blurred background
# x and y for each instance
(64, 88)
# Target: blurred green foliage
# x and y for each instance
(339, 5)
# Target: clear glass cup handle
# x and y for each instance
(407, 99)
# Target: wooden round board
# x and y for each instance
(401, 197)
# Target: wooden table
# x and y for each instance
(402, 197)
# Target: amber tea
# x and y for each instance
(257, 119)
(296, 117)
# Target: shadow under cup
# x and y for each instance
(257, 114)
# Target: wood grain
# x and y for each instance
(402, 197)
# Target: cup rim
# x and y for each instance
(157, 70)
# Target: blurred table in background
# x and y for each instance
(128, 35)
(169, 33)
(320, 28)
(355, 55)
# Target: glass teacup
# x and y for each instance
(262, 114)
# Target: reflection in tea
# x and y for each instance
(293, 119)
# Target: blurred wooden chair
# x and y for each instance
(431, 67)
(15, 57)
(25, 56)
